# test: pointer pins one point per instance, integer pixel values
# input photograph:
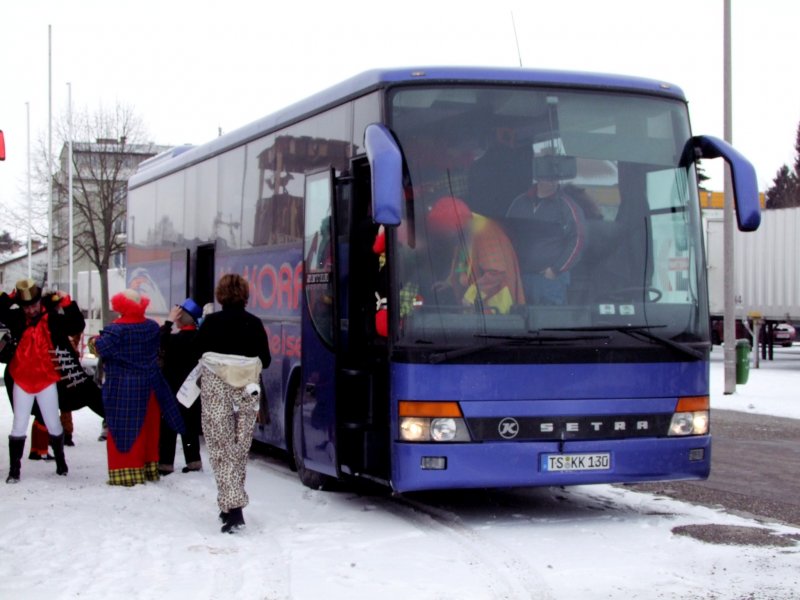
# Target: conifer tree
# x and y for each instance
(785, 190)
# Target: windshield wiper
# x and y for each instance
(505, 340)
(637, 330)
(541, 338)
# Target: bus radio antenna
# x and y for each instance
(516, 39)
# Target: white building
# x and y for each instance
(101, 170)
(14, 266)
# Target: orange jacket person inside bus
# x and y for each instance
(484, 272)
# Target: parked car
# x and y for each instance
(718, 331)
(784, 334)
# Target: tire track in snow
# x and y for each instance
(508, 575)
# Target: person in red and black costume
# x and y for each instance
(37, 324)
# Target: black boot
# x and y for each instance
(57, 443)
(234, 521)
(16, 447)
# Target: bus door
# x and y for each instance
(178, 277)
(202, 290)
(362, 376)
(314, 412)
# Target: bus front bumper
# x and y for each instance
(430, 466)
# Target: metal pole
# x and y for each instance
(71, 239)
(49, 157)
(30, 227)
(729, 334)
(516, 39)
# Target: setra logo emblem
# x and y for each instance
(508, 428)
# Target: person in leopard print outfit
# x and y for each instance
(232, 347)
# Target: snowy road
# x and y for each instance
(76, 537)
(754, 466)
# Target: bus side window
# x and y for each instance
(318, 267)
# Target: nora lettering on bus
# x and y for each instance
(276, 287)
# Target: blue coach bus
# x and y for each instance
(606, 382)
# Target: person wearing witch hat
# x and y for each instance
(35, 324)
(135, 393)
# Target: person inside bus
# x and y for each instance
(555, 236)
(484, 271)
(489, 194)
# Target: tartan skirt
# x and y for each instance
(140, 463)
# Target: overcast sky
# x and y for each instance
(191, 68)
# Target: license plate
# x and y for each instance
(598, 461)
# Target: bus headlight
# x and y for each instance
(690, 417)
(689, 423)
(443, 430)
(432, 422)
(421, 429)
(414, 429)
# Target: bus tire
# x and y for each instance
(312, 479)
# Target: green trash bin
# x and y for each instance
(742, 360)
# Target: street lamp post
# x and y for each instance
(729, 321)
(69, 191)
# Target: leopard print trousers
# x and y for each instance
(228, 418)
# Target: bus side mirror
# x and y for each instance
(743, 175)
(386, 163)
(2, 146)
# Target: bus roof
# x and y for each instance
(378, 78)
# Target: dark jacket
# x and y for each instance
(233, 330)
(556, 230)
(177, 354)
(64, 320)
(76, 388)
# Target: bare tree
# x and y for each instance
(110, 145)
(8, 243)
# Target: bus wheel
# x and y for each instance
(309, 478)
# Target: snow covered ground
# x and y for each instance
(77, 537)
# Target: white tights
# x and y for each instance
(48, 405)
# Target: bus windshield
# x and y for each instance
(542, 217)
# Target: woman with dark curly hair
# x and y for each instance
(232, 348)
